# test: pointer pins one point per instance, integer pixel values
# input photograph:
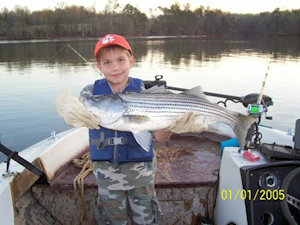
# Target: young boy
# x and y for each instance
(123, 169)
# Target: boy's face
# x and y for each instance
(115, 65)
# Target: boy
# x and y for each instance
(123, 170)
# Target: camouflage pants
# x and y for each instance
(136, 205)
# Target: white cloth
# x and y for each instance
(189, 122)
(74, 112)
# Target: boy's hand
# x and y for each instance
(189, 122)
(74, 112)
(162, 136)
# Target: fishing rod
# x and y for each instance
(256, 109)
(264, 82)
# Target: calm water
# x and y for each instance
(32, 74)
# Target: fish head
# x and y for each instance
(108, 108)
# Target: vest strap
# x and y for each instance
(103, 142)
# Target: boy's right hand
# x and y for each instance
(74, 112)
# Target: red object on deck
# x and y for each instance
(250, 156)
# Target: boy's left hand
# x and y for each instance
(162, 136)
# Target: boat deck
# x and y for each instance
(187, 170)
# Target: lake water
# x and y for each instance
(33, 73)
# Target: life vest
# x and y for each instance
(116, 146)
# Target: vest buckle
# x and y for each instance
(117, 141)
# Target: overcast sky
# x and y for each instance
(236, 6)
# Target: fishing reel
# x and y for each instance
(256, 110)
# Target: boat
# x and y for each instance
(200, 179)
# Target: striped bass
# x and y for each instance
(157, 108)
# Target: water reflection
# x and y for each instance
(22, 54)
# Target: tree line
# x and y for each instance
(78, 21)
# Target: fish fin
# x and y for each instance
(144, 139)
(221, 129)
(136, 118)
(156, 89)
(241, 128)
(196, 91)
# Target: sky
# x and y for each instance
(234, 6)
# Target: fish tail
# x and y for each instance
(241, 128)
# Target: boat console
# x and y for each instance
(274, 152)
(261, 192)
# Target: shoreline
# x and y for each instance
(151, 37)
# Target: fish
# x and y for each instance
(157, 108)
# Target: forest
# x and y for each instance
(176, 20)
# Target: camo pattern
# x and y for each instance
(126, 193)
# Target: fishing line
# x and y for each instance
(74, 50)
(57, 53)
(84, 59)
(77, 53)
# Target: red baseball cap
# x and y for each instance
(111, 39)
